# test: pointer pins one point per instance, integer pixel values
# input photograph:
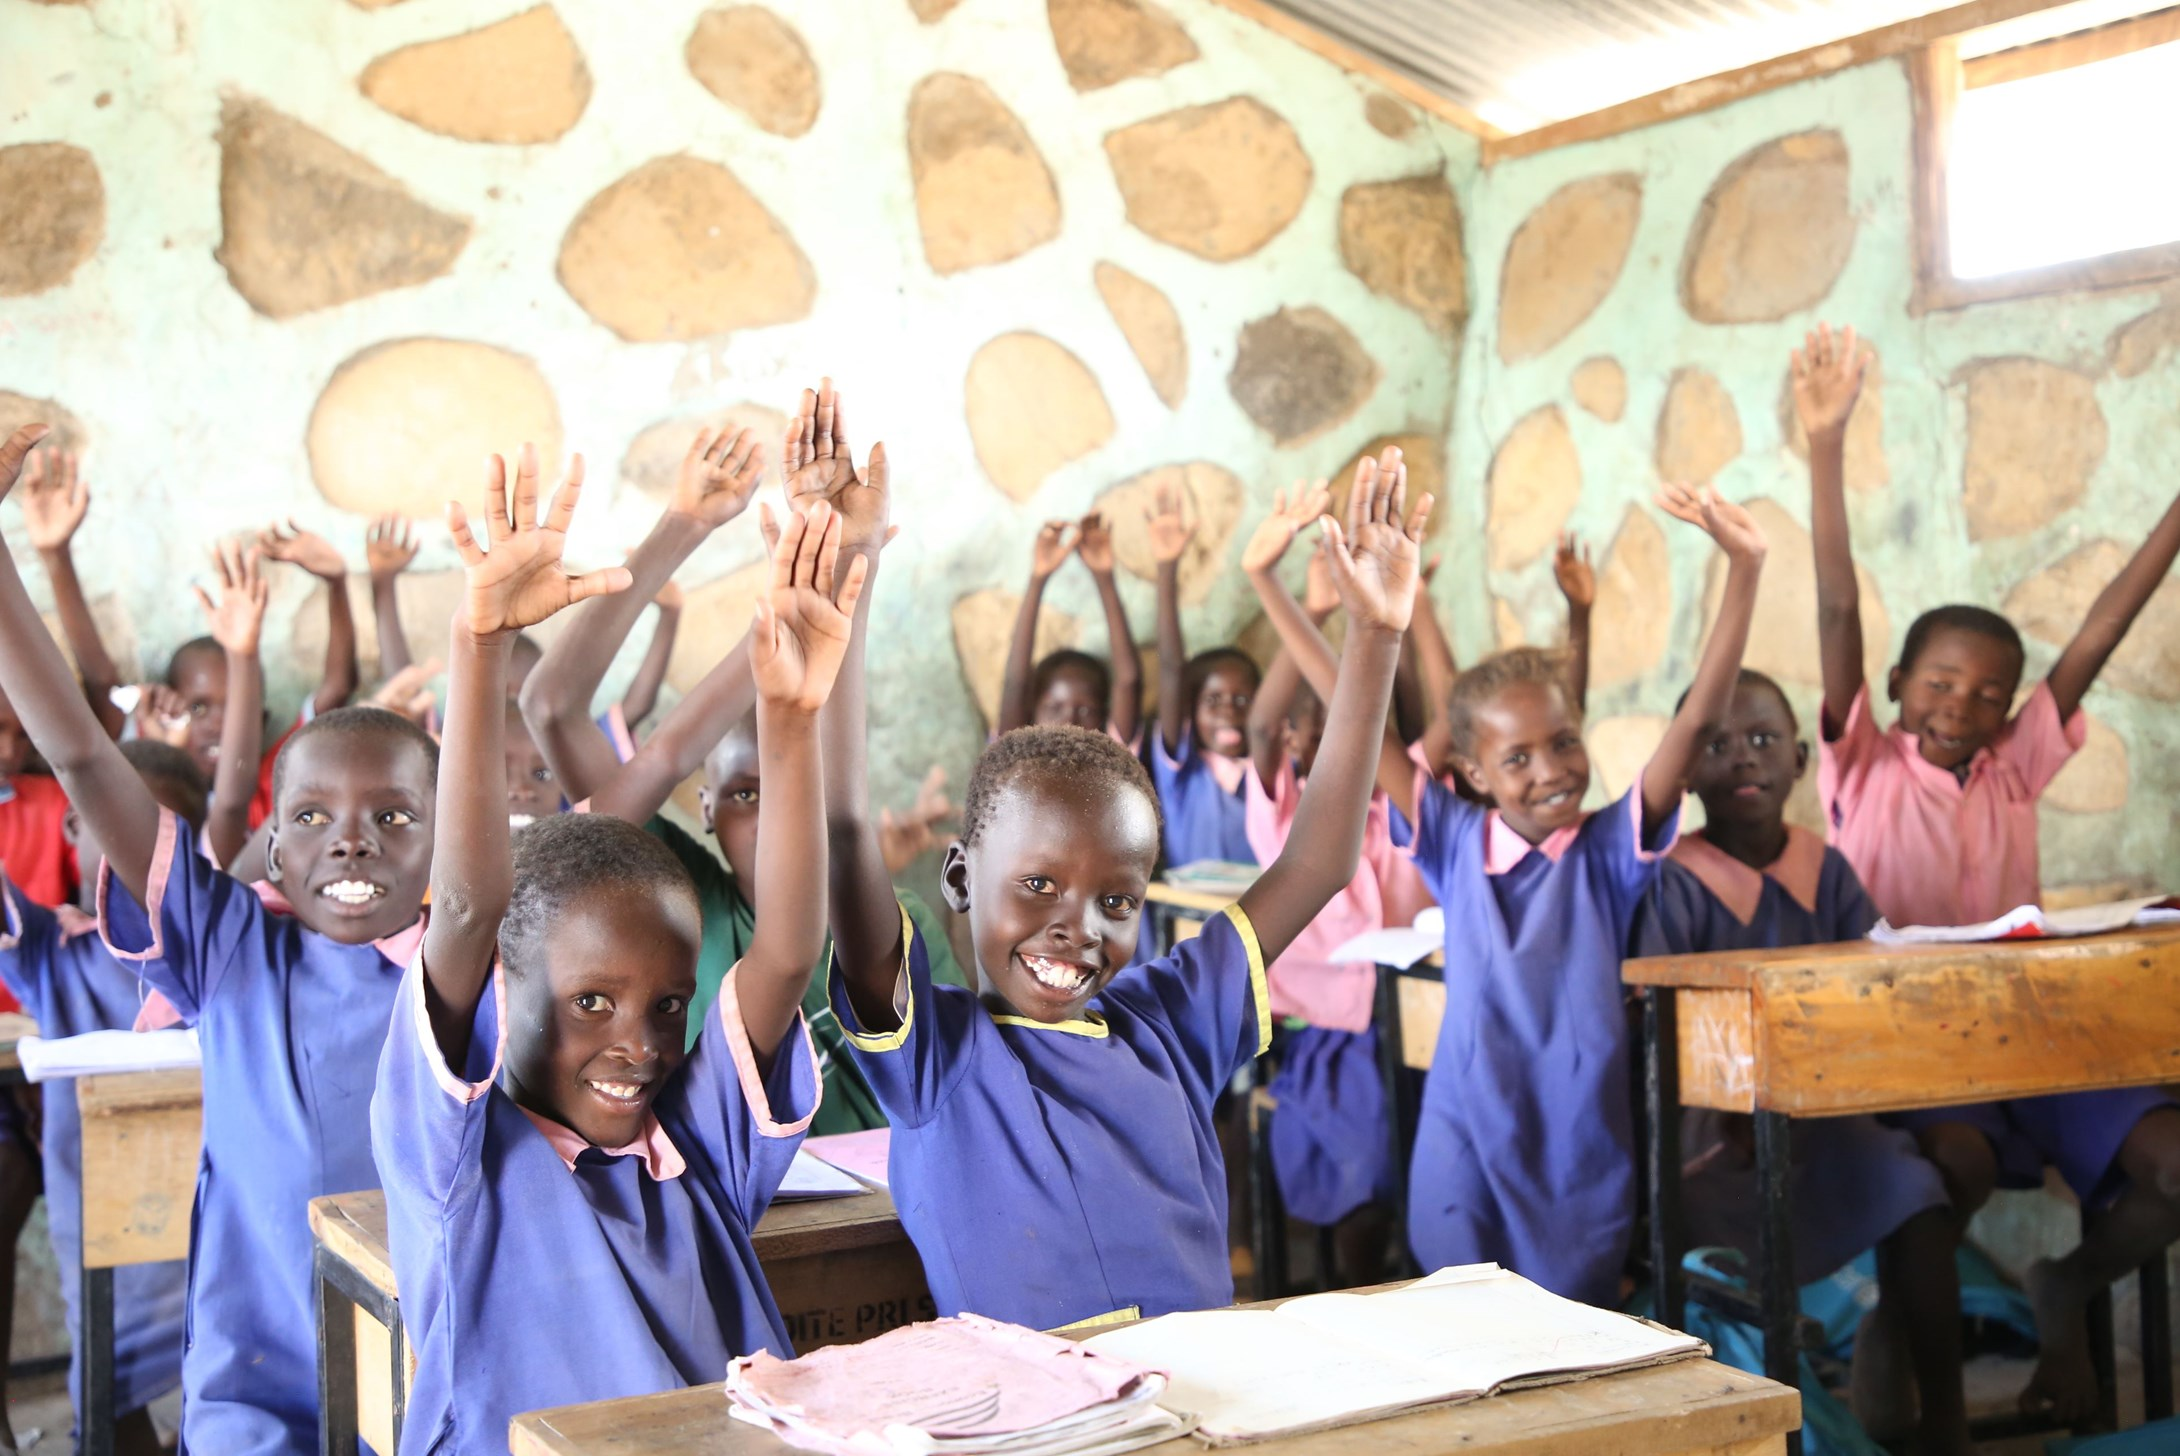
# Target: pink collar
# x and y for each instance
(400, 947)
(1739, 888)
(1504, 849)
(1225, 772)
(661, 1159)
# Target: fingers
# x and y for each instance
(16, 450)
(822, 422)
(768, 526)
(851, 590)
(601, 583)
(877, 473)
(458, 528)
(560, 513)
(745, 459)
(1419, 519)
(810, 546)
(211, 612)
(495, 498)
(785, 543)
(525, 515)
(840, 428)
(828, 557)
(700, 448)
(1395, 499)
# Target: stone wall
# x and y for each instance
(268, 258)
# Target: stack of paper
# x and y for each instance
(955, 1386)
(809, 1177)
(107, 1051)
(2033, 922)
(1214, 876)
(1398, 945)
(1335, 1359)
(865, 1154)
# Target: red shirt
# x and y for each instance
(36, 854)
(261, 802)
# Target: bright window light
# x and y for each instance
(2050, 169)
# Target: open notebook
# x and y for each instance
(2033, 922)
(1335, 1359)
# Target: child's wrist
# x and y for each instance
(681, 527)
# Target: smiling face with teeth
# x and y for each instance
(532, 791)
(1957, 693)
(1746, 766)
(1528, 758)
(352, 836)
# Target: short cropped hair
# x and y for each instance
(358, 722)
(1749, 677)
(563, 855)
(164, 763)
(1066, 660)
(195, 646)
(1049, 754)
(1494, 675)
(1980, 620)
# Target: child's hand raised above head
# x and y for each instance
(819, 466)
(520, 583)
(804, 622)
(1376, 561)
(1577, 578)
(1170, 528)
(1049, 552)
(1094, 543)
(238, 616)
(55, 499)
(408, 692)
(1271, 539)
(291, 543)
(388, 547)
(719, 474)
(1734, 529)
(1320, 594)
(905, 837)
(1827, 372)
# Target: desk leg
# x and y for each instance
(337, 1433)
(1399, 1117)
(2156, 1294)
(1661, 1115)
(397, 1350)
(95, 1396)
(1267, 1210)
(2103, 1359)
(1775, 1256)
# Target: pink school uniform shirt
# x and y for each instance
(1387, 890)
(1931, 849)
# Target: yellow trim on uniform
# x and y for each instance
(1100, 1321)
(1092, 1025)
(891, 1041)
(1259, 988)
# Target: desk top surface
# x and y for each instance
(2147, 948)
(1188, 897)
(1691, 1406)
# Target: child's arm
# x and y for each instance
(1094, 544)
(796, 646)
(718, 476)
(113, 801)
(1827, 376)
(1052, 547)
(1170, 533)
(316, 555)
(1578, 584)
(388, 548)
(639, 788)
(2113, 613)
(1275, 694)
(236, 619)
(1665, 777)
(55, 501)
(643, 688)
(518, 584)
(1374, 563)
(1434, 656)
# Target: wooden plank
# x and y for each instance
(2083, 955)
(1181, 897)
(142, 1134)
(1422, 1012)
(374, 1391)
(352, 1226)
(1347, 58)
(1693, 1408)
(1717, 1048)
(850, 1295)
(2064, 52)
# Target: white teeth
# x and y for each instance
(626, 1091)
(521, 821)
(351, 892)
(1059, 975)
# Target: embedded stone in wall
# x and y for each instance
(1619, 747)
(1773, 234)
(1634, 616)
(1388, 116)
(1299, 372)
(2035, 435)
(984, 630)
(1783, 634)
(1535, 480)
(1032, 407)
(756, 63)
(17, 410)
(2050, 606)
(1563, 260)
(307, 224)
(2094, 780)
(1425, 457)
(931, 11)
(713, 618)
(54, 217)
(1699, 434)
(376, 4)
(1403, 239)
(1506, 625)
(679, 249)
(1104, 41)
(1600, 386)
(2140, 342)
(1866, 466)
(1153, 330)
(426, 601)
(983, 191)
(653, 458)
(521, 80)
(1210, 494)
(403, 426)
(1219, 181)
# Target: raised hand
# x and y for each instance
(238, 616)
(719, 474)
(314, 553)
(670, 597)
(1734, 529)
(408, 692)
(1170, 528)
(161, 715)
(1094, 543)
(15, 451)
(1376, 559)
(1576, 576)
(903, 838)
(520, 582)
(1270, 540)
(1827, 374)
(388, 547)
(1320, 596)
(804, 622)
(1049, 552)
(55, 499)
(818, 466)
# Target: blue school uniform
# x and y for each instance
(1068, 1174)
(537, 1270)
(1331, 1150)
(1204, 818)
(1524, 1151)
(1853, 1180)
(292, 1024)
(57, 967)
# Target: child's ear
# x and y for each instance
(1892, 685)
(954, 878)
(272, 857)
(1472, 774)
(704, 806)
(1801, 758)
(71, 826)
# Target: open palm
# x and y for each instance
(803, 623)
(1271, 539)
(819, 467)
(520, 581)
(1827, 376)
(1376, 561)
(718, 476)
(238, 616)
(55, 499)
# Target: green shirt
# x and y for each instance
(729, 922)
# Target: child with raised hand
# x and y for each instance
(1524, 1151)
(569, 1197)
(1202, 745)
(1068, 686)
(1938, 816)
(55, 499)
(1053, 1151)
(1749, 880)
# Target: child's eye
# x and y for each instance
(541, 775)
(673, 1005)
(1119, 907)
(312, 818)
(1763, 740)
(200, 710)
(744, 796)
(593, 1001)
(397, 818)
(1517, 760)
(1036, 884)
(1715, 747)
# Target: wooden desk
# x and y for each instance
(841, 1269)
(1693, 1408)
(142, 1136)
(1815, 1031)
(14, 1026)
(1178, 912)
